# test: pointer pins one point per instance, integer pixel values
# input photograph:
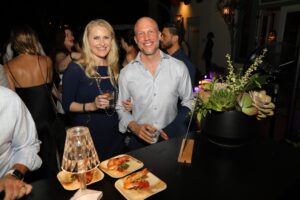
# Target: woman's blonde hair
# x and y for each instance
(25, 40)
(88, 61)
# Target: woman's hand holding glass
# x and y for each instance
(102, 101)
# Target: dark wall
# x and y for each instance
(38, 14)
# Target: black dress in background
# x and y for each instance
(39, 104)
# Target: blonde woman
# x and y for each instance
(88, 85)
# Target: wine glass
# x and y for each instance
(110, 94)
(80, 157)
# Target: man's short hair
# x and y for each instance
(174, 30)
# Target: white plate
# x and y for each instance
(97, 176)
(134, 164)
(156, 185)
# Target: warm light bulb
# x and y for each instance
(226, 10)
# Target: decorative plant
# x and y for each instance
(237, 91)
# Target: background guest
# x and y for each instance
(30, 75)
(129, 46)
(207, 53)
(19, 145)
(170, 41)
(64, 50)
(63, 53)
(10, 53)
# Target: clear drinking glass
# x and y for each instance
(111, 99)
(155, 136)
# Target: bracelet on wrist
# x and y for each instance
(83, 108)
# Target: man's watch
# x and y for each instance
(16, 173)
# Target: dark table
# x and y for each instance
(259, 170)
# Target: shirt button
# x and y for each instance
(154, 94)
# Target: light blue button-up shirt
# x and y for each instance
(18, 137)
(155, 97)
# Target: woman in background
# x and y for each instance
(129, 46)
(64, 52)
(30, 75)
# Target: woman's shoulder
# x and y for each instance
(16, 65)
(45, 58)
(74, 67)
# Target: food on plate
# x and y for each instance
(71, 181)
(89, 176)
(140, 185)
(68, 178)
(137, 180)
(118, 163)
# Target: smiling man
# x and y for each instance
(154, 81)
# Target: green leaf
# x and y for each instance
(245, 101)
(250, 111)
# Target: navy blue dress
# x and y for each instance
(103, 124)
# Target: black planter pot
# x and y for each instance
(230, 128)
